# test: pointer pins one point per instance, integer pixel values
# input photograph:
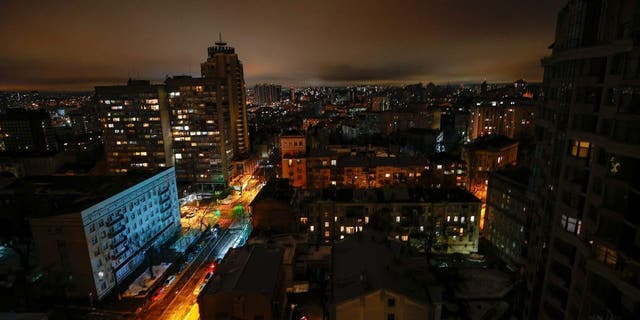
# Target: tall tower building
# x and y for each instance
(587, 167)
(136, 131)
(223, 64)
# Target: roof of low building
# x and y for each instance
(398, 195)
(250, 269)
(369, 262)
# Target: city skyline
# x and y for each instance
(54, 47)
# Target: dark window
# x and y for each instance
(391, 316)
(391, 302)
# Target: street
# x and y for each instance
(180, 298)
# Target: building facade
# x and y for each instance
(103, 242)
(267, 93)
(136, 126)
(450, 218)
(509, 213)
(588, 158)
(201, 131)
(508, 117)
(223, 64)
(485, 155)
(27, 131)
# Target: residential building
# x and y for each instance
(200, 130)
(247, 285)
(267, 93)
(449, 217)
(509, 117)
(485, 155)
(588, 161)
(27, 131)
(293, 150)
(374, 278)
(223, 64)
(509, 214)
(136, 127)
(97, 230)
(272, 208)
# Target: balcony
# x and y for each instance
(118, 241)
(116, 219)
(164, 199)
(116, 255)
(114, 231)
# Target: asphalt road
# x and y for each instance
(179, 298)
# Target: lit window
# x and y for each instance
(397, 218)
(606, 255)
(178, 156)
(405, 237)
(334, 162)
(472, 218)
(580, 149)
(326, 224)
(421, 228)
(312, 228)
(304, 220)
(327, 234)
(455, 218)
(341, 228)
(448, 218)
(462, 219)
(366, 219)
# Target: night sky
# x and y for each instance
(75, 45)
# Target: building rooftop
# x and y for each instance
(249, 269)
(68, 194)
(292, 133)
(132, 87)
(491, 142)
(519, 175)
(278, 189)
(397, 195)
(370, 262)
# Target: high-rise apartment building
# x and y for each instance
(197, 124)
(200, 129)
(223, 64)
(508, 117)
(267, 93)
(27, 131)
(587, 167)
(136, 130)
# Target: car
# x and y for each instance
(157, 293)
(199, 288)
(208, 276)
(169, 280)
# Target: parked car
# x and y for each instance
(169, 280)
(208, 276)
(157, 293)
(199, 289)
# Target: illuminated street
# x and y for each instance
(179, 300)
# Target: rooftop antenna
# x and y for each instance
(220, 42)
